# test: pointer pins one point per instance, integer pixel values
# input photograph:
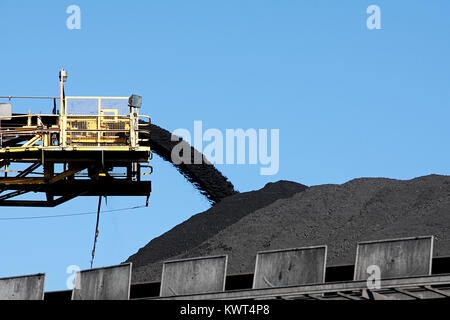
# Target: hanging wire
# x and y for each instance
(69, 215)
(96, 229)
(21, 97)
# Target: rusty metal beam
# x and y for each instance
(65, 174)
(109, 187)
(22, 180)
(32, 141)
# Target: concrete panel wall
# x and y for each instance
(192, 276)
(111, 283)
(23, 288)
(395, 258)
(282, 268)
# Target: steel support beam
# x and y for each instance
(28, 170)
(347, 296)
(314, 290)
(407, 293)
(12, 195)
(42, 204)
(440, 292)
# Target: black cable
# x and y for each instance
(21, 97)
(69, 215)
(96, 229)
(54, 106)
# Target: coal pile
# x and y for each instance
(336, 215)
(203, 226)
(205, 177)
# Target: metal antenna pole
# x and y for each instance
(62, 113)
(96, 229)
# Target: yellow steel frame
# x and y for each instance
(106, 130)
(88, 146)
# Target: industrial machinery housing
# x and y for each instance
(90, 147)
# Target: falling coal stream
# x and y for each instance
(209, 181)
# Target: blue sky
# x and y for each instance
(349, 102)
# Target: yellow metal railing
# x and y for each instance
(94, 105)
(99, 121)
(84, 122)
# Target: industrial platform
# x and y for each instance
(90, 147)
